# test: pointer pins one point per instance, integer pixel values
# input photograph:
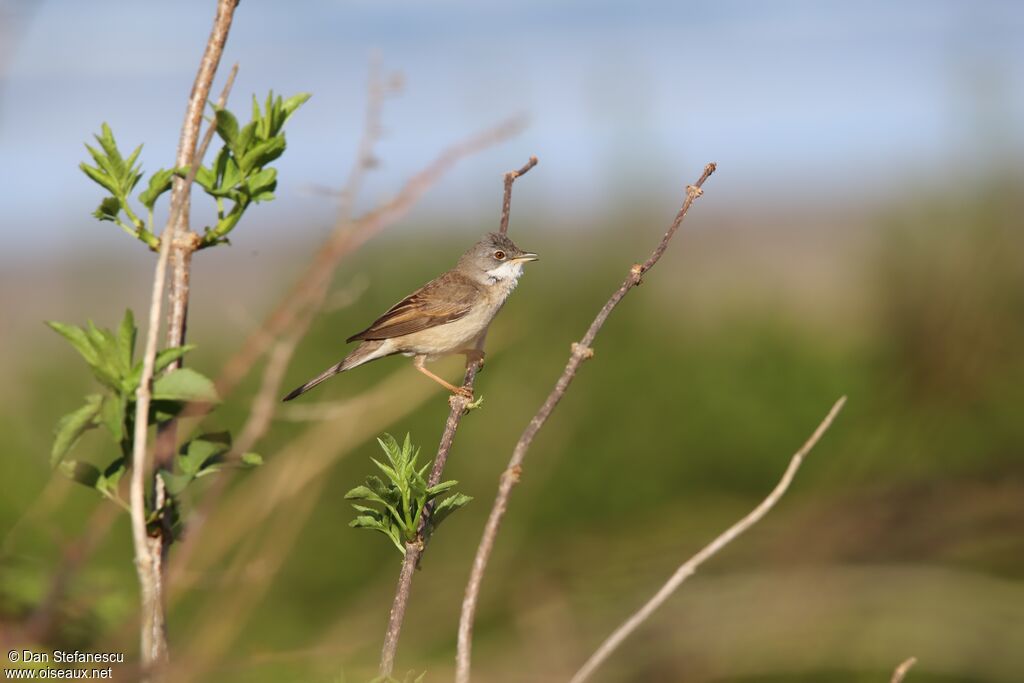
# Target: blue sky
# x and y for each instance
(839, 99)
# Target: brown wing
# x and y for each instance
(440, 301)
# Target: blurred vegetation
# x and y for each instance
(904, 533)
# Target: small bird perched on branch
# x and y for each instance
(446, 316)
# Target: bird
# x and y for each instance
(448, 315)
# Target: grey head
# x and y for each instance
(495, 258)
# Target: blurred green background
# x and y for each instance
(902, 535)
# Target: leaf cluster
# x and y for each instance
(240, 171)
(119, 176)
(395, 505)
(110, 356)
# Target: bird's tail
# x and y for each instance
(364, 353)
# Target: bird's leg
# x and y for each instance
(420, 363)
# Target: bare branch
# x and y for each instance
(459, 405)
(154, 646)
(184, 243)
(149, 550)
(901, 670)
(506, 203)
(581, 351)
(687, 569)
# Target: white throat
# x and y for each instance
(507, 273)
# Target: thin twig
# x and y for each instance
(149, 551)
(901, 670)
(346, 237)
(153, 642)
(687, 569)
(506, 203)
(581, 351)
(459, 404)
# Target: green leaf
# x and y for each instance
(206, 178)
(447, 507)
(294, 102)
(230, 175)
(84, 473)
(391, 473)
(86, 345)
(184, 384)
(112, 415)
(106, 166)
(126, 337)
(109, 145)
(73, 425)
(106, 346)
(132, 174)
(371, 512)
(99, 176)
(245, 137)
(363, 493)
(441, 488)
(159, 183)
(367, 522)
(251, 459)
(162, 361)
(262, 154)
(227, 126)
(264, 180)
(108, 209)
(167, 356)
(203, 451)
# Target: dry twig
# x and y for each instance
(149, 551)
(581, 351)
(901, 670)
(506, 203)
(687, 569)
(459, 404)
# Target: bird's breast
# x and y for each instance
(453, 336)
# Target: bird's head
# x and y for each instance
(494, 259)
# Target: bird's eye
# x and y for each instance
(500, 255)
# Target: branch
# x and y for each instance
(184, 242)
(506, 203)
(902, 669)
(581, 351)
(149, 551)
(348, 235)
(687, 569)
(459, 405)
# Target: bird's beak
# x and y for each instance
(527, 256)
